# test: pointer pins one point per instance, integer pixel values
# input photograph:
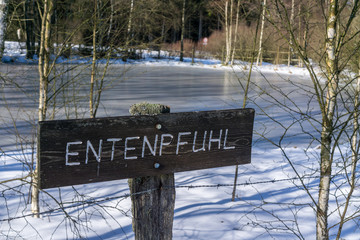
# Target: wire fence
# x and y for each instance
(277, 57)
(74, 204)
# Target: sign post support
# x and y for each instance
(153, 211)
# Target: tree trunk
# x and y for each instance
(252, 60)
(29, 28)
(93, 64)
(182, 32)
(200, 25)
(153, 207)
(130, 21)
(129, 36)
(44, 71)
(3, 14)
(226, 61)
(292, 18)
(259, 57)
(235, 32)
(110, 21)
(327, 124)
(228, 31)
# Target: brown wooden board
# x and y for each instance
(103, 149)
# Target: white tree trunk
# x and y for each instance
(235, 32)
(228, 31)
(130, 18)
(322, 232)
(44, 71)
(259, 57)
(292, 18)
(111, 20)
(3, 25)
(129, 36)
(182, 31)
(93, 64)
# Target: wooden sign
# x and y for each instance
(103, 149)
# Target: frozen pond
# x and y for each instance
(182, 88)
(286, 114)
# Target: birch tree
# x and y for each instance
(228, 30)
(340, 46)
(3, 14)
(235, 31)
(182, 31)
(292, 18)
(260, 51)
(93, 64)
(327, 122)
(44, 72)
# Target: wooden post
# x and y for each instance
(153, 211)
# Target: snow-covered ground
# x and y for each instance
(271, 201)
(15, 52)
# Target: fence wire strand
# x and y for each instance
(127, 195)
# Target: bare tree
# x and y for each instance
(260, 51)
(292, 19)
(338, 38)
(93, 64)
(235, 31)
(182, 31)
(44, 72)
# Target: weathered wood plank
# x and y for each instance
(153, 212)
(92, 150)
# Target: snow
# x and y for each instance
(271, 202)
(15, 52)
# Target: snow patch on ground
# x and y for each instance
(15, 52)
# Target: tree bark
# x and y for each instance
(292, 18)
(153, 207)
(93, 64)
(129, 36)
(130, 21)
(228, 31)
(3, 25)
(200, 25)
(110, 21)
(322, 231)
(29, 28)
(235, 32)
(182, 32)
(259, 57)
(44, 71)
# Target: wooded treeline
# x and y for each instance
(139, 24)
(120, 23)
(231, 27)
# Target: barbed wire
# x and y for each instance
(127, 195)
(242, 184)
